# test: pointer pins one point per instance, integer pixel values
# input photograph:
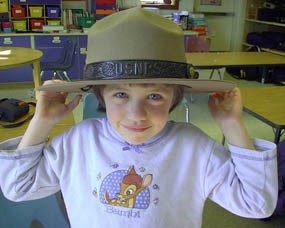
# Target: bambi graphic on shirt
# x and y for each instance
(126, 188)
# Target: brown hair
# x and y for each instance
(178, 93)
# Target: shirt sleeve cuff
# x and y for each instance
(8, 149)
(263, 148)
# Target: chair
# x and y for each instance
(65, 61)
(90, 105)
(181, 111)
(44, 212)
(200, 44)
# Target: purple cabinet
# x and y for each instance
(82, 45)
(52, 47)
(35, 2)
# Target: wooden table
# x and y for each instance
(210, 60)
(266, 104)
(19, 56)
(7, 133)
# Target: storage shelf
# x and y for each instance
(254, 25)
(274, 51)
(34, 22)
(265, 22)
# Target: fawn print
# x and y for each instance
(131, 185)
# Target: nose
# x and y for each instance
(137, 110)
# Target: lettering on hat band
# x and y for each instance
(136, 69)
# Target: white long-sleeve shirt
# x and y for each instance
(163, 182)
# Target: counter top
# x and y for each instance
(44, 34)
(73, 33)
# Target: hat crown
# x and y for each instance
(135, 34)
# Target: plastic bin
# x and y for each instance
(105, 6)
(52, 11)
(3, 6)
(6, 24)
(86, 22)
(4, 16)
(36, 11)
(105, 1)
(18, 12)
(7, 30)
(36, 24)
(104, 12)
(53, 22)
(20, 25)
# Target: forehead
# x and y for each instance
(144, 86)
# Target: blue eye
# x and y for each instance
(154, 96)
(120, 95)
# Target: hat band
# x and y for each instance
(136, 69)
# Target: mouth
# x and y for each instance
(136, 128)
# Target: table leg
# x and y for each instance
(36, 76)
(277, 135)
(263, 74)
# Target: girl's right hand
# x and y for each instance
(52, 107)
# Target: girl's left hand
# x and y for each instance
(226, 106)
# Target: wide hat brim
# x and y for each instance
(191, 85)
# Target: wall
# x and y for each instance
(77, 4)
(226, 28)
(220, 31)
(183, 5)
(186, 5)
(238, 25)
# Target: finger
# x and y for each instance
(219, 97)
(212, 103)
(233, 95)
(234, 91)
(55, 81)
(73, 104)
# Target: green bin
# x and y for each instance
(86, 22)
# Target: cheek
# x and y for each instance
(114, 112)
(159, 114)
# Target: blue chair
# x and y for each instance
(44, 212)
(90, 105)
(65, 61)
(185, 104)
(181, 111)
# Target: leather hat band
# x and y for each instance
(136, 69)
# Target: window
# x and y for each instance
(161, 4)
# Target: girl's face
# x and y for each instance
(138, 111)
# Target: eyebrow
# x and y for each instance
(160, 87)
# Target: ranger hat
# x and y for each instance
(137, 46)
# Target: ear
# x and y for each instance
(147, 179)
(98, 91)
(178, 95)
(132, 170)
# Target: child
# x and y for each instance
(134, 168)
